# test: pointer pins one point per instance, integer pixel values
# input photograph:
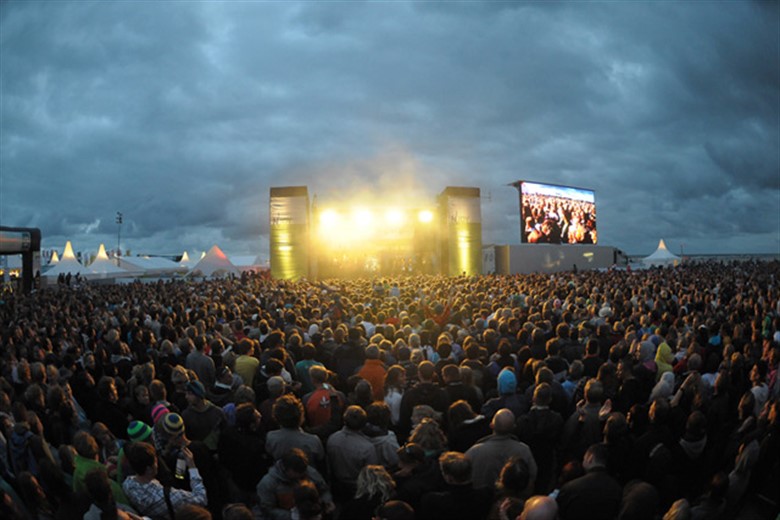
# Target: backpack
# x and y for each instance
(319, 407)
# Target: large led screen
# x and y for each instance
(552, 214)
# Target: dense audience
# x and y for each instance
(650, 394)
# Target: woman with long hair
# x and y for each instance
(395, 382)
(34, 497)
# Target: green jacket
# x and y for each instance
(82, 466)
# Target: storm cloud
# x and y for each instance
(182, 115)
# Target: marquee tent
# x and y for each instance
(661, 257)
(185, 261)
(151, 265)
(190, 261)
(215, 264)
(250, 263)
(55, 258)
(103, 267)
(67, 264)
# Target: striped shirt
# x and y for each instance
(149, 499)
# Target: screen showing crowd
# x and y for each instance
(552, 214)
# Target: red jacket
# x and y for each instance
(374, 371)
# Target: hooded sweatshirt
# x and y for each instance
(275, 491)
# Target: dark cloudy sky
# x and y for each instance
(182, 115)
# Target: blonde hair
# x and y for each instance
(179, 374)
(374, 480)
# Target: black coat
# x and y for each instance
(541, 429)
(594, 496)
(458, 502)
(421, 393)
(467, 434)
(243, 454)
(112, 415)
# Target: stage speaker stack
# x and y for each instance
(289, 244)
(460, 213)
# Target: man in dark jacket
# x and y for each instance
(595, 495)
(424, 392)
(275, 490)
(541, 429)
(241, 449)
(349, 357)
(460, 500)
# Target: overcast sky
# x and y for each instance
(182, 115)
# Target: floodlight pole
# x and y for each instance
(118, 236)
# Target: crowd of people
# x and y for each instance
(586, 395)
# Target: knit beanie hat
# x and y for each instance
(138, 431)
(158, 412)
(197, 388)
(173, 424)
(507, 382)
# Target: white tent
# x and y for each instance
(214, 264)
(67, 264)
(55, 258)
(185, 261)
(151, 265)
(661, 257)
(249, 263)
(103, 267)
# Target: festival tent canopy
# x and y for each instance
(151, 265)
(186, 261)
(55, 258)
(103, 267)
(661, 257)
(249, 263)
(214, 264)
(67, 264)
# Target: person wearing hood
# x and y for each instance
(664, 358)
(378, 432)
(507, 396)
(275, 490)
(664, 388)
(688, 454)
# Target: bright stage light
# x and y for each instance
(362, 218)
(329, 217)
(394, 217)
(425, 216)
